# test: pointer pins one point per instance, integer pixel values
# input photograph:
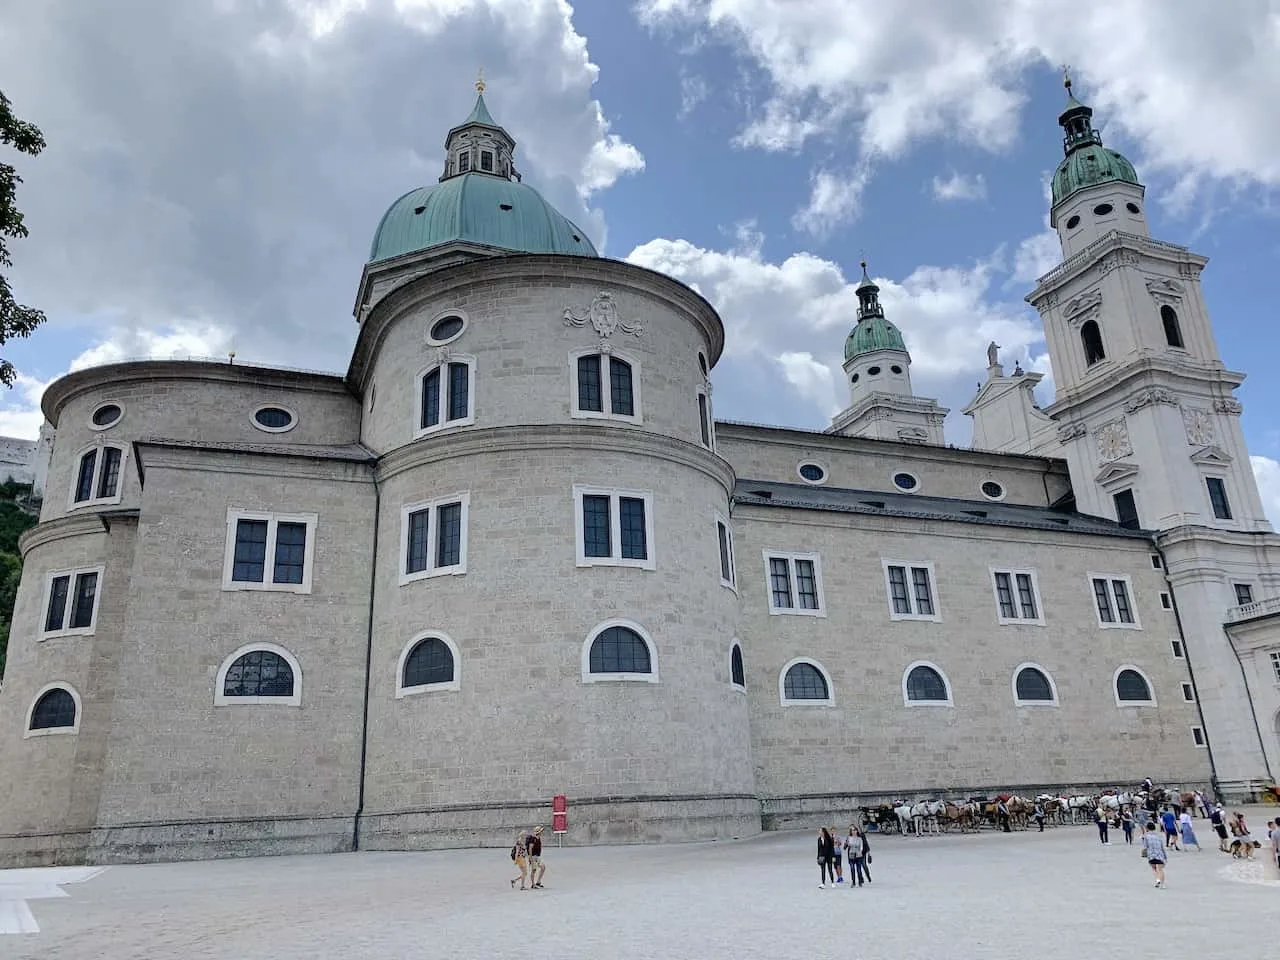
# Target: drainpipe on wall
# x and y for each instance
(368, 666)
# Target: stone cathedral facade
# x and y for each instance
(510, 554)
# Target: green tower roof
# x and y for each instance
(480, 113)
(873, 331)
(1087, 162)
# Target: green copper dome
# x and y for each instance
(478, 200)
(873, 331)
(477, 208)
(1087, 162)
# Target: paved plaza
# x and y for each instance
(1051, 895)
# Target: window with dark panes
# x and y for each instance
(464, 162)
(431, 661)
(726, 552)
(780, 582)
(1033, 685)
(704, 423)
(1004, 596)
(1172, 332)
(431, 399)
(631, 516)
(259, 673)
(1244, 593)
(1218, 498)
(449, 525)
(84, 480)
(459, 391)
(619, 650)
(85, 594)
(1103, 599)
(923, 591)
(621, 396)
(1131, 686)
(898, 590)
(56, 708)
(1091, 339)
(1123, 609)
(1126, 510)
(736, 672)
(806, 585)
(57, 612)
(109, 478)
(418, 550)
(589, 393)
(596, 531)
(250, 559)
(925, 683)
(1026, 596)
(291, 552)
(804, 681)
(486, 161)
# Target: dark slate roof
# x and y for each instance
(876, 503)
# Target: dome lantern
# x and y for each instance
(873, 332)
(1086, 162)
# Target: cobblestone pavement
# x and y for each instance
(1060, 894)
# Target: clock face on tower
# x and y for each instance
(1113, 440)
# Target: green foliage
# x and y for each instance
(13, 522)
(16, 320)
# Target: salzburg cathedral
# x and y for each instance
(510, 555)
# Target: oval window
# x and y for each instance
(1073, 223)
(446, 329)
(1132, 207)
(107, 415)
(905, 481)
(854, 378)
(276, 419)
(873, 371)
(992, 490)
(1102, 209)
(812, 472)
(895, 369)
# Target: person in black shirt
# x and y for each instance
(537, 869)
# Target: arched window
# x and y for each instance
(737, 675)
(56, 709)
(1091, 337)
(924, 683)
(1133, 688)
(1031, 685)
(1172, 332)
(805, 681)
(619, 650)
(259, 673)
(428, 662)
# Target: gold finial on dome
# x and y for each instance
(480, 81)
(1066, 77)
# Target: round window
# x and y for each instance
(992, 490)
(1073, 223)
(905, 481)
(107, 415)
(873, 371)
(274, 419)
(854, 378)
(1132, 207)
(895, 369)
(446, 329)
(812, 472)
(1102, 209)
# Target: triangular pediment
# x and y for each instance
(1211, 456)
(1115, 473)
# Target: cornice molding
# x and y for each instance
(249, 459)
(76, 525)
(1111, 251)
(1151, 372)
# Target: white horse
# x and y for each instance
(1081, 808)
(907, 822)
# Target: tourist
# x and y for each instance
(1241, 839)
(857, 857)
(1153, 850)
(1275, 843)
(826, 852)
(1219, 827)
(1126, 823)
(1170, 824)
(866, 853)
(1187, 831)
(1100, 818)
(1002, 813)
(837, 846)
(537, 869)
(1039, 815)
(1202, 808)
(520, 857)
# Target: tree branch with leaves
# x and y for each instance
(16, 320)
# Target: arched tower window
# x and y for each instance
(1172, 332)
(1091, 337)
(737, 675)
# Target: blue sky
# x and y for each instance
(215, 171)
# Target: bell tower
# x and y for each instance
(1147, 419)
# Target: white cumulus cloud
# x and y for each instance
(959, 187)
(834, 198)
(1267, 472)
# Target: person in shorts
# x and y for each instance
(520, 857)
(537, 869)
(1217, 818)
(1153, 850)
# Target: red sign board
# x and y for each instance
(559, 814)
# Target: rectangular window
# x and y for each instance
(704, 420)
(433, 537)
(1218, 498)
(1177, 649)
(1275, 664)
(1198, 736)
(486, 161)
(1004, 597)
(1112, 596)
(84, 482)
(589, 398)
(724, 537)
(97, 478)
(71, 604)
(464, 162)
(1126, 510)
(794, 583)
(1017, 596)
(431, 400)
(459, 392)
(287, 539)
(1188, 694)
(1155, 561)
(621, 396)
(910, 590)
(614, 527)
(109, 476)
(446, 395)
(1244, 593)
(1166, 601)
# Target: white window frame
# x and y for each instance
(1204, 742)
(430, 325)
(615, 558)
(946, 683)
(794, 610)
(826, 472)
(433, 537)
(1227, 492)
(1236, 593)
(96, 428)
(589, 677)
(1274, 657)
(1115, 692)
(736, 644)
(1188, 692)
(703, 392)
(908, 565)
(65, 630)
(234, 516)
(442, 364)
(1053, 687)
(1180, 652)
(893, 485)
(72, 503)
(449, 685)
(1111, 593)
(1166, 599)
(293, 418)
(28, 733)
(293, 700)
(732, 582)
(606, 387)
(830, 701)
(1013, 575)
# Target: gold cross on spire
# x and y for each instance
(480, 81)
